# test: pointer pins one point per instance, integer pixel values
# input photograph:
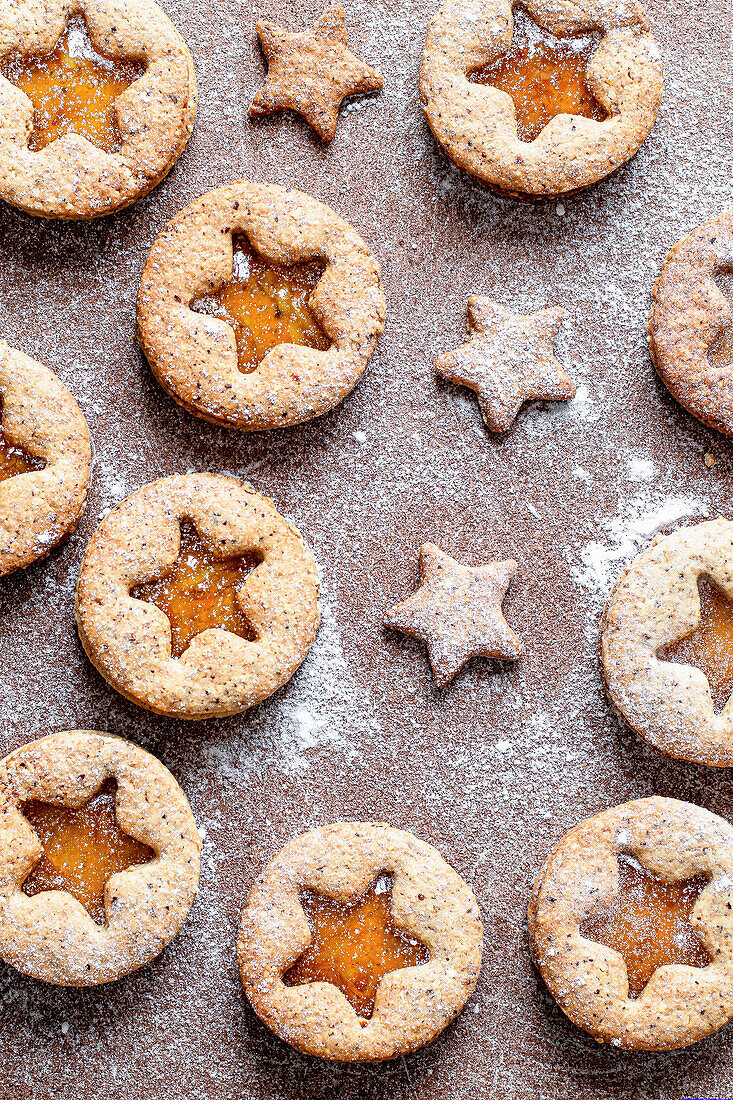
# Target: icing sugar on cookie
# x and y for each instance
(457, 612)
(312, 72)
(537, 122)
(508, 360)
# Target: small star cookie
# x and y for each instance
(311, 72)
(456, 611)
(508, 360)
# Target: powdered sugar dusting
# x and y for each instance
(494, 768)
(625, 536)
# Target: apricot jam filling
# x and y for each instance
(199, 591)
(544, 75)
(354, 944)
(648, 923)
(266, 305)
(81, 849)
(14, 460)
(720, 352)
(73, 89)
(710, 646)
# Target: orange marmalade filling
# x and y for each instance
(82, 849)
(710, 646)
(720, 352)
(73, 89)
(266, 305)
(354, 944)
(14, 460)
(544, 75)
(199, 592)
(648, 923)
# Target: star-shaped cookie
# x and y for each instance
(311, 72)
(456, 611)
(508, 360)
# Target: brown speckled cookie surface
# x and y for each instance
(129, 640)
(194, 357)
(71, 178)
(51, 936)
(429, 901)
(40, 508)
(475, 123)
(656, 603)
(681, 1004)
(689, 315)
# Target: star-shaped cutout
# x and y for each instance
(649, 923)
(82, 849)
(311, 72)
(508, 360)
(354, 944)
(456, 611)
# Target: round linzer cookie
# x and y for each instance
(259, 307)
(44, 461)
(631, 924)
(359, 943)
(666, 645)
(690, 330)
(99, 863)
(97, 102)
(195, 598)
(540, 101)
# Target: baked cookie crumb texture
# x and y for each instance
(457, 612)
(194, 355)
(52, 935)
(654, 605)
(73, 176)
(684, 854)
(311, 73)
(430, 904)
(476, 123)
(508, 360)
(44, 488)
(221, 670)
(690, 323)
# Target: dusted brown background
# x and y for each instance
(495, 768)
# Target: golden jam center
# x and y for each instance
(14, 460)
(266, 305)
(544, 75)
(710, 646)
(648, 923)
(81, 849)
(199, 591)
(354, 944)
(73, 89)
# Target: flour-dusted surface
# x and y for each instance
(494, 768)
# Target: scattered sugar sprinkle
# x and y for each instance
(360, 731)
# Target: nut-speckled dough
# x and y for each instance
(429, 901)
(689, 313)
(654, 604)
(71, 177)
(457, 612)
(129, 640)
(475, 123)
(51, 936)
(681, 1004)
(311, 72)
(194, 355)
(40, 508)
